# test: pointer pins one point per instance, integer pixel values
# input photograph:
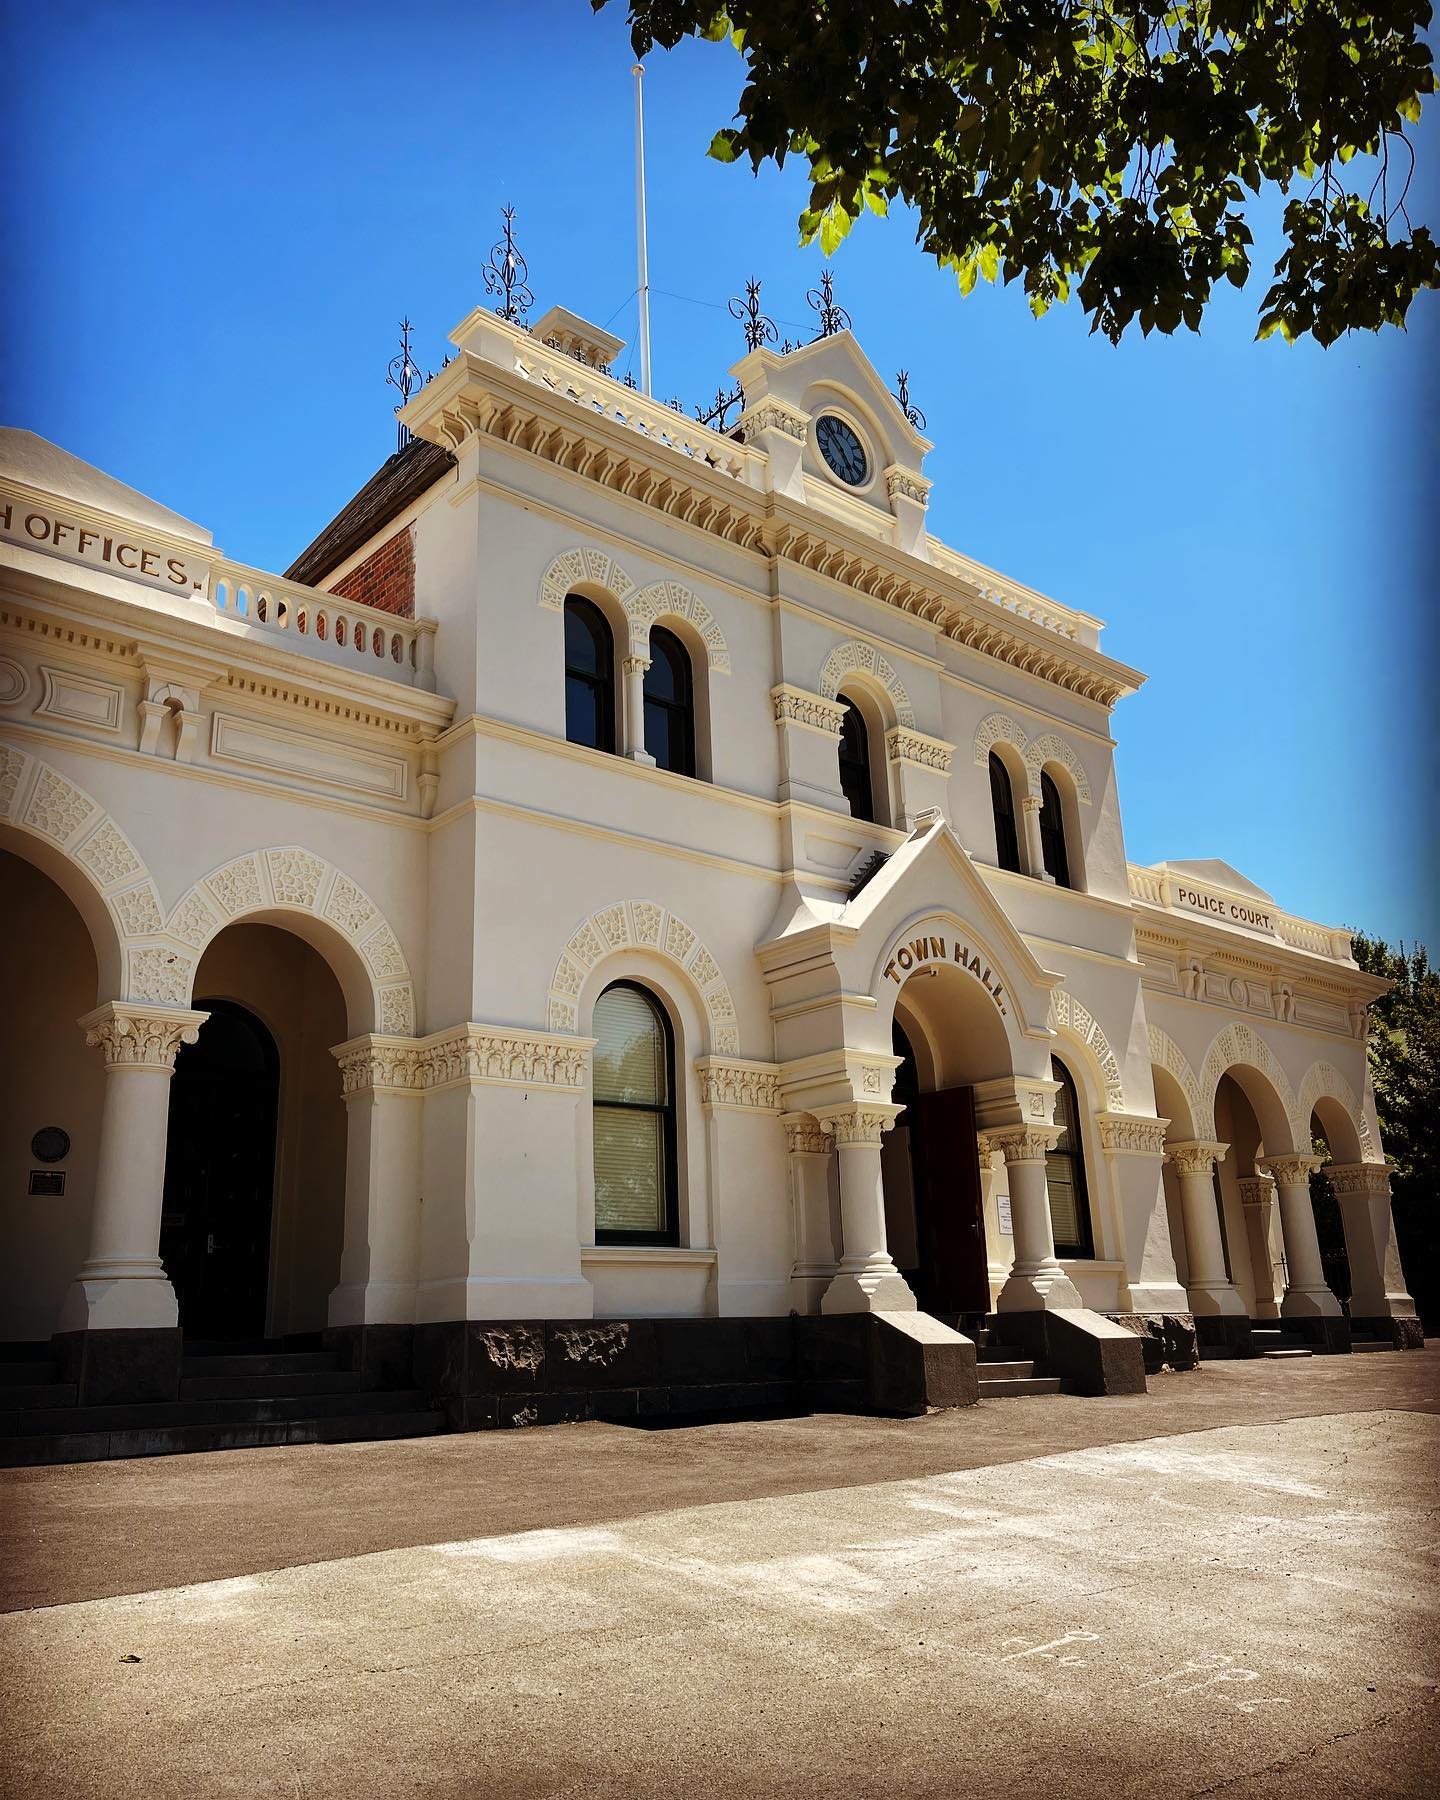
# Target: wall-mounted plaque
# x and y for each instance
(50, 1182)
(1002, 1206)
(50, 1144)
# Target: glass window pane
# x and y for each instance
(658, 734)
(629, 1058)
(582, 712)
(629, 1170)
(1064, 1200)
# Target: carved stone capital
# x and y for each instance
(1372, 1179)
(1256, 1190)
(1031, 803)
(1131, 1134)
(140, 1037)
(470, 1052)
(795, 706)
(903, 484)
(771, 414)
(1020, 1143)
(637, 665)
(903, 745)
(850, 1125)
(375, 1064)
(803, 1136)
(1290, 1171)
(726, 1082)
(1195, 1157)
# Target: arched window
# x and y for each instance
(589, 676)
(634, 1125)
(1002, 802)
(670, 704)
(1052, 833)
(855, 779)
(1065, 1172)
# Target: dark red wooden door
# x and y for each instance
(949, 1219)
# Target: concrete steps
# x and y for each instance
(1005, 1376)
(240, 1397)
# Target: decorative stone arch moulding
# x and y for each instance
(1000, 728)
(855, 658)
(641, 606)
(669, 600)
(37, 798)
(1166, 1054)
(1238, 1043)
(1323, 1081)
(1069, 1016)
(642, 925)
(287, 878)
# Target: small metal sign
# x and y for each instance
(50, 1182)
(1002, 1206)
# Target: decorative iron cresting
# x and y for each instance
(833, 318)
(902, 394)
(404, 374)
(506, 274)
(716, 415)
(758, 329)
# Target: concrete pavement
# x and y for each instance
(1225, 1587)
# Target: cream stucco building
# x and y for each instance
(627, 872)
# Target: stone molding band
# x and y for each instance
(1256, 1190)
(140, 1037)
(1019, 1143)
(738, 1086)
(464, 1054)
(1131, 1134)
(1289, 1171)
(1372, 1178)
(852, 1125)
(794, 706)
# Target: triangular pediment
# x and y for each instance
(27, 457)
(1215, 873)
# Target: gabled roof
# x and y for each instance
(26, 456)
(399, 480)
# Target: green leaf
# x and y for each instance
(723, 146)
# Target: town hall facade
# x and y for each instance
(629, 874)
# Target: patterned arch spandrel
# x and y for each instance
(1166, 1054)
(1323, 1081)
(586, 564)
(642, 925)
(998, 728)
(855, 658)
(1238, 1043)
(1052, 748)
(1068, 1015)
(575, 568)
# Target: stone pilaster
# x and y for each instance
(1377, 1283)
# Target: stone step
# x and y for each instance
(264, 1387)
(1275, 1355)
(160, 1414)
(1018, 1370)
(37, 1373)
(46, 1393)
(1217, 1353)
(176, 1440)
(1020, 1388)
(1359, 1344)
(271, 1362)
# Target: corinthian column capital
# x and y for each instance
(1020, 1143)
(1372, 1179)
(858, 1124)
(1290, 1171)
(1194, 1156)
(140, 1037)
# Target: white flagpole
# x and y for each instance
(641, 257)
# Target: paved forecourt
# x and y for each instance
(1245, 1608)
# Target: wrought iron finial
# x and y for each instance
(715, 415)
(630, 380)
(506, 274)
(833, 318)
(404, 374)
(758, 329)
(902, 394)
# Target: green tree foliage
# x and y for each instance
(1405, 1067)
(1098, 147)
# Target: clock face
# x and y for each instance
(842, 450)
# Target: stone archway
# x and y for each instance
(643, 925)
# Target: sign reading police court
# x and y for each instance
(122, 551)
(1235, 912)
(909, 956)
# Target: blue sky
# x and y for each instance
(218, 213)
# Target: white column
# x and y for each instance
(997, 1266)
(1210, 1289)
(636, 668)
(1257, 1197)
(1306, 1294)
(1036, 1281)
(122, 1283)
(816, 1224)
(1032, 848)
(382, 1080)
(1377, 1284)
(867, 1280)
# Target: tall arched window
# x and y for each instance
(1052, 833)
(670, 704)
(1065, 1172)
(856, 782)
(589, 676)
(634, 1104)
(1002, 802)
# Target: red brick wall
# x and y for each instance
(385, 579)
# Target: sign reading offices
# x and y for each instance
(40, 528)
(911, 955)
